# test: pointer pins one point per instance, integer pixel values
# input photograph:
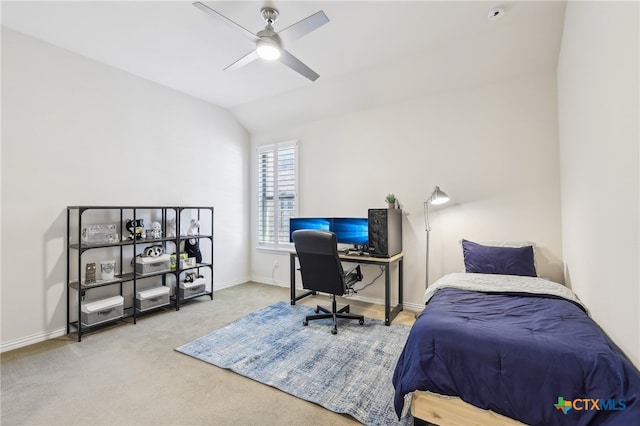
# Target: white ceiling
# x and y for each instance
(371, 53)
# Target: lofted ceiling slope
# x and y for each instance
(371, 53)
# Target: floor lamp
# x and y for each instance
(436, 197)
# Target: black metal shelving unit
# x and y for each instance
(77, 290)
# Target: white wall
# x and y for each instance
(76, 132)
(599, 147)
(493, 149)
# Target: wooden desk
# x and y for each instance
(385, 262)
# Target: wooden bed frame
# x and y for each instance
(452, 411)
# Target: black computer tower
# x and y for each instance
(385, 232)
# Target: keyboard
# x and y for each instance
(356, 253)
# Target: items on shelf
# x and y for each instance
(174, 261)
(195, 287)
(90, 273)
(192, 249)
(99, 234)
(150, 264)
(154, 251)
(191, 277)
(135, 228)
(171, 228)
(102, 310)
(151, 298)
(107, 270)
(194, 227)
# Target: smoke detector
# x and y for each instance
(495, 14)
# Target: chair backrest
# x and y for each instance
(320, 265)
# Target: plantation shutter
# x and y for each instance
(277, 188)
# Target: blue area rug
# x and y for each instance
(346, 373)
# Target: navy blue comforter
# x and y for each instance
(519, 355)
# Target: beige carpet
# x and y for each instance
(131, 375)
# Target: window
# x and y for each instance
(277, 192)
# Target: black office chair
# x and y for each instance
(322, 271)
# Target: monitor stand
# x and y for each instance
(360, 250)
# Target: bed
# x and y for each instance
(501, 348)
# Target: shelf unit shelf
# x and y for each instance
(125, 251)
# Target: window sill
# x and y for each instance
(280, 249)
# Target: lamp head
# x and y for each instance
(438, 197)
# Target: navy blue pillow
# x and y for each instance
(498, 260)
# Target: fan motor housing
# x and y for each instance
(269, 14)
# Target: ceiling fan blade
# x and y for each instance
(294, 63)
(221, 18)
(249, 57)
(303, 27)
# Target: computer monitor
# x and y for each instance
(351, 230)
(318, 223)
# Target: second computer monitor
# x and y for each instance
(351, 230)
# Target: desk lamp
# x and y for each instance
(437, 197)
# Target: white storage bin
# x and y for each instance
(149, 265)
(102, 310)
(194, 288)
(152, 298)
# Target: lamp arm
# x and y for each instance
(427, 227)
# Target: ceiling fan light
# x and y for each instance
(267, 49)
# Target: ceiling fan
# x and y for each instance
(269, 44)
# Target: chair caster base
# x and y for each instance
(334, 314)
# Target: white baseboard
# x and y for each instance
(269, 280)
(30, 340)
(227, 284)
(41, 337)
(416, 307)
